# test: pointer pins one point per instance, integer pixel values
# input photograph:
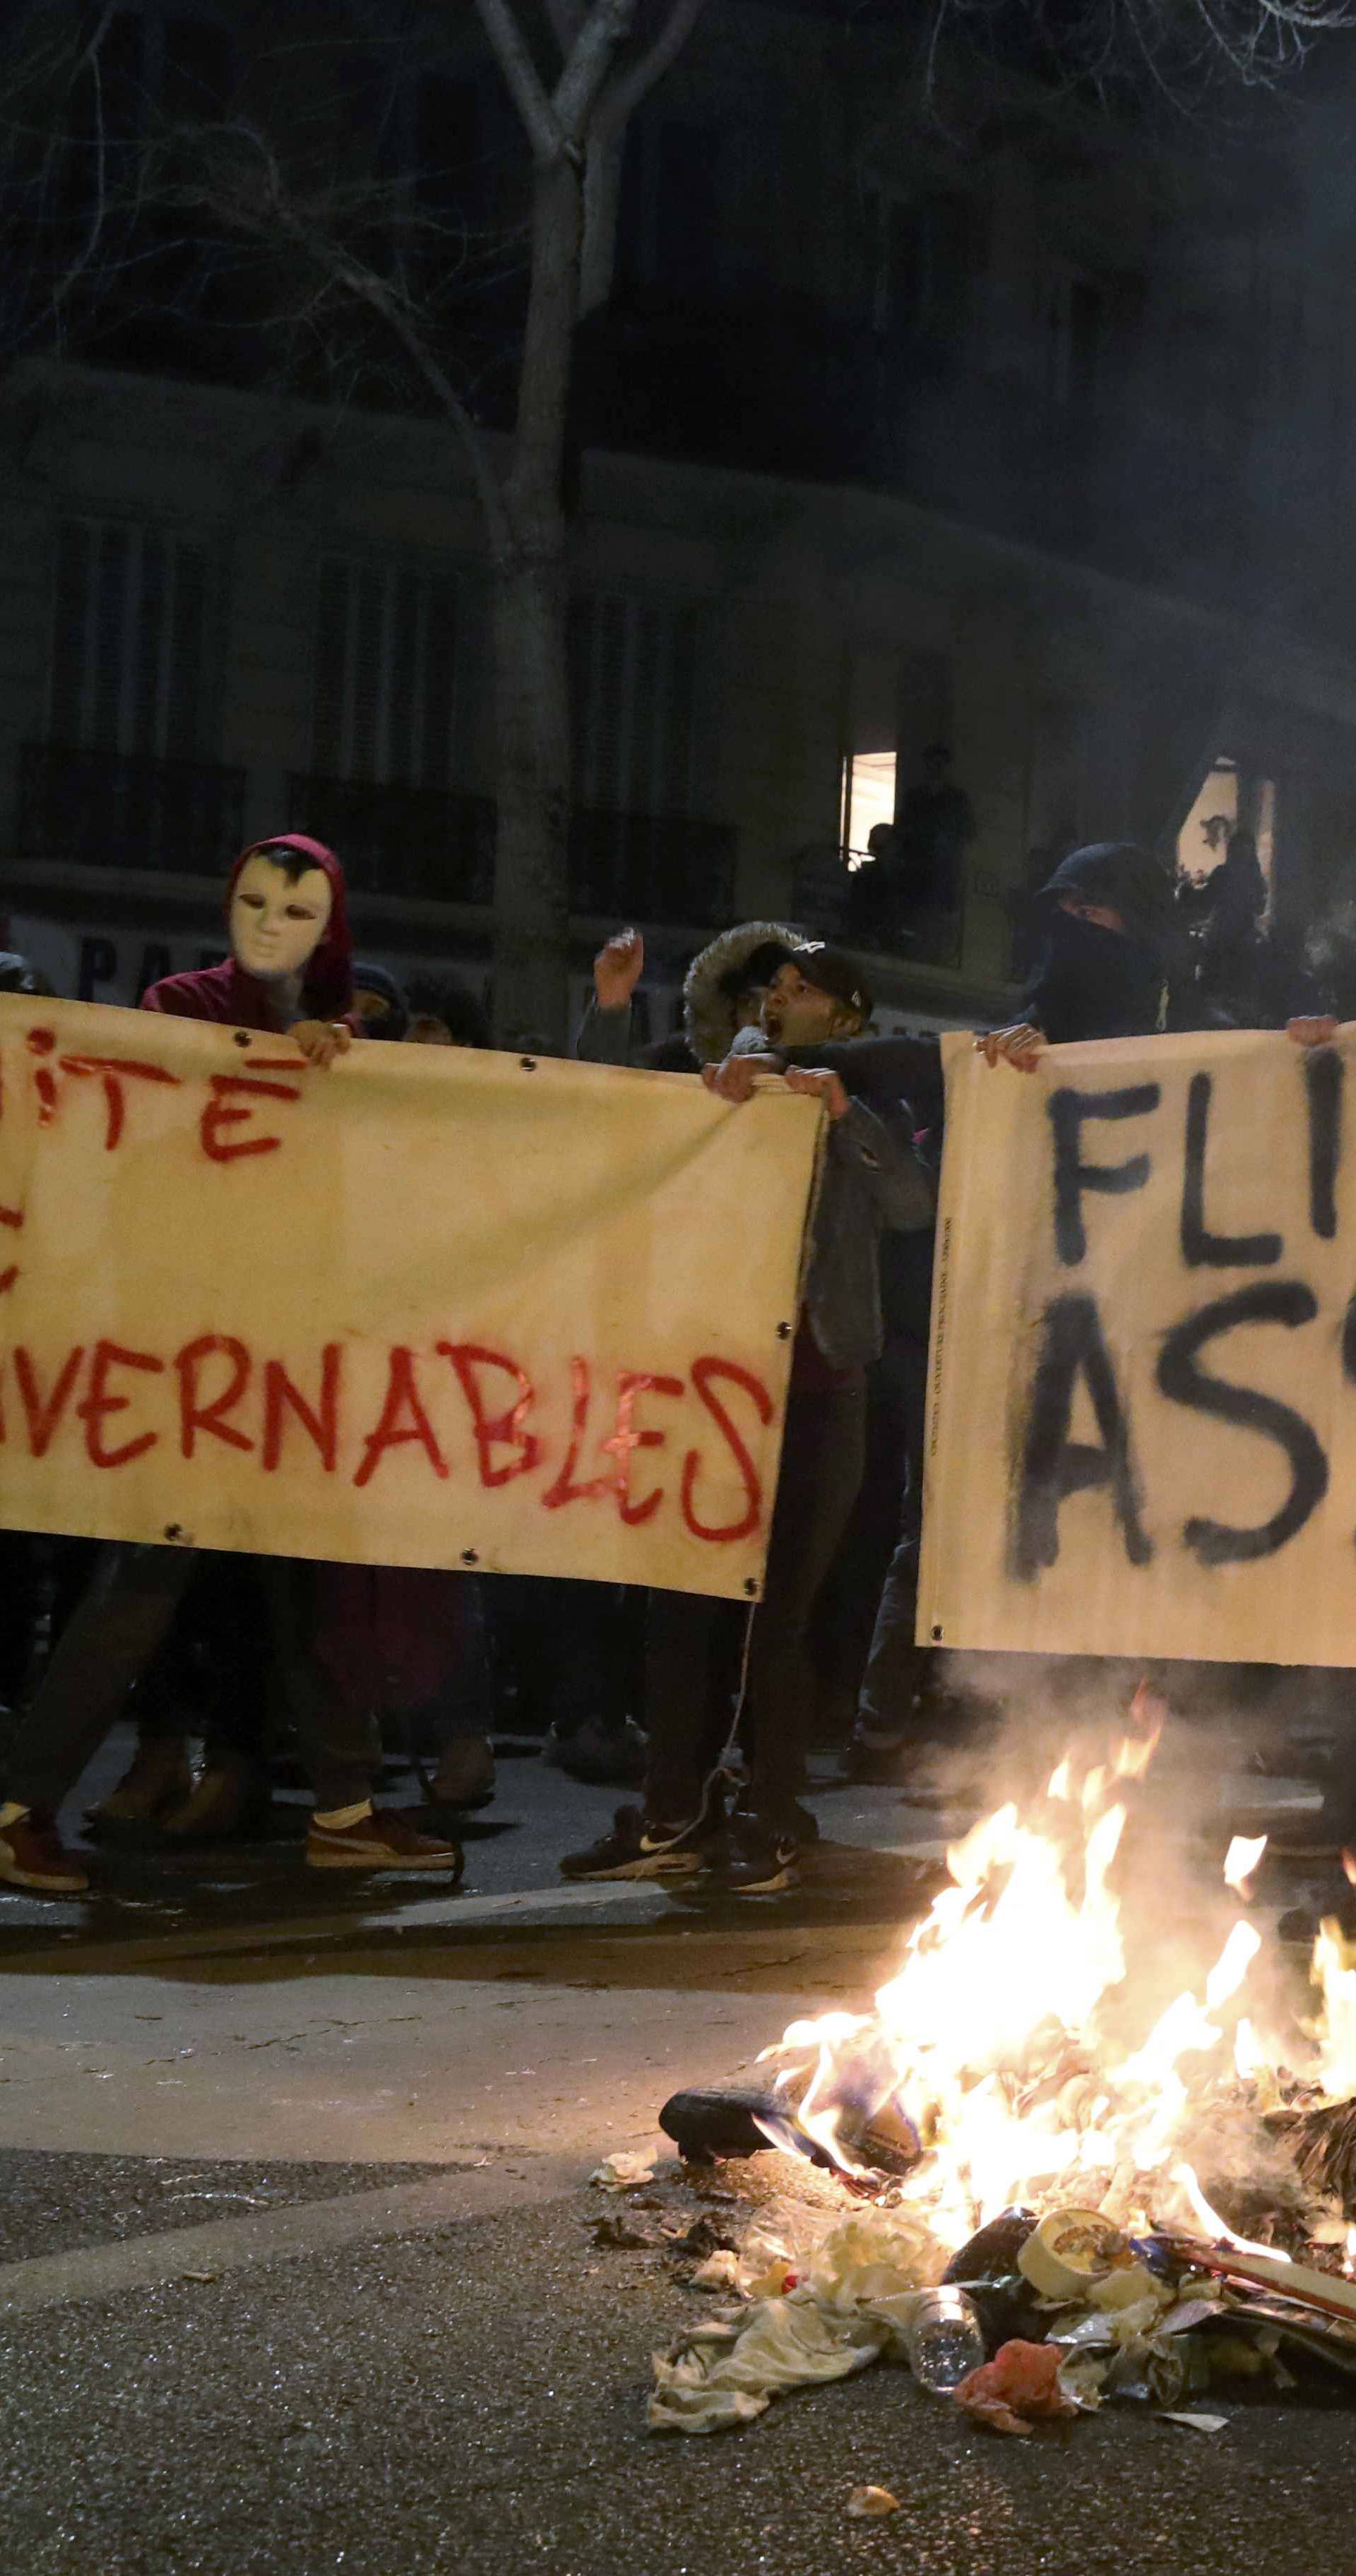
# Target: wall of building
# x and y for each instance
(1076, 705)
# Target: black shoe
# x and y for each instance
(603, 1757)
(641, 1846)
(763, 1856)
(883, 1765)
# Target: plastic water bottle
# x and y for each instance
(943, 2340)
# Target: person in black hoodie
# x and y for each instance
(1102, 967)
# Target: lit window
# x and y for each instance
(868, 798)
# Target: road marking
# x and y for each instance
(279, 2235)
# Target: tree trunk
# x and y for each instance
(530, 624)
(532, 902)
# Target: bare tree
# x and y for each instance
(574, 116)
(576, 72)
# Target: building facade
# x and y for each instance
(1021, 447)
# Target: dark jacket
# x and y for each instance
(1094, 983)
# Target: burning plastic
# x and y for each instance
(1003, 2062)
(1024, 2102)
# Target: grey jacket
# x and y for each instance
(870, 1182)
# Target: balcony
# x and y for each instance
(439, 848)
(419, 842)
(858, 911)
(653, 867)
(110, 809)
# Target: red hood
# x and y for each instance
(329, 977)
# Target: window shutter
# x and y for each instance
(634, 666)
(71, 632)
(129, 641)
(394, 701)
(111, 586)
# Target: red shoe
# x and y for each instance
(385, 1840)
(32, 1855)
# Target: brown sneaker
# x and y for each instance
(229, 1802)
(384, 1840)
(465, 1773)
(31, 1855)
(159, 1775)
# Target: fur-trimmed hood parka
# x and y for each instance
(715, 979)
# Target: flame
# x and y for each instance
(1002, 2041)
(1240, 1861)
(1349, 2254)
(1184, 2176)
(1333, 1971)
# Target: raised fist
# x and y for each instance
(617, 969)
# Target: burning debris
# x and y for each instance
(1029, 2117)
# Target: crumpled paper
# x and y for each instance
(1019, 2387)
(1139, 2349)
(726, 2374)
(625, 2171)
(855, 2294)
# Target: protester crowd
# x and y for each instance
(706, 1707)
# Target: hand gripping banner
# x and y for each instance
(429, 1307)
(1142, 1415)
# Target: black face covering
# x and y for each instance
(1094, 983)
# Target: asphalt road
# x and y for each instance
(298, 2258)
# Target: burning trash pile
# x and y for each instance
(1051, 2187)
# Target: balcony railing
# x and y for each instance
(119, 810)
(111, 809)
(440, 847)
(661, 867)
(413, 841)
(856, 909)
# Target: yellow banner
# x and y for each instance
(1142, 1417)
(430, 1307)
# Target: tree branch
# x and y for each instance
(607, 134)
(371, 290)
(83, 256)
(266, 210)
(567, 17)
(608, 25)
(515, 62)
(623, 95)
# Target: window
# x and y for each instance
(1228, 800)
(668, 233)
(921, 253)
(178, 65)
(455, 182)
(633, 677)
(1075, 324)
(868, 798)
(129, 640)
(395, 651)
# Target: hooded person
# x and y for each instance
(1102, 966)
(380, 1002)
(290, 969)
(723, 991)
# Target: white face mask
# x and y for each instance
(277, 924)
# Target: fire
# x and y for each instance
(1241, 1860)
(1001, 2045)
